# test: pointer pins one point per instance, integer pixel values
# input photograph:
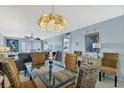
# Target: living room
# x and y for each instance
(95, 32)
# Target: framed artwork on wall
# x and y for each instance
(13, 44)
(89, 40)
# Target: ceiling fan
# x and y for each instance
(32, 37)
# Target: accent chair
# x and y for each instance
(38, 59)
(86, 77)
(70, 61)
(109, 65)
(11, 71)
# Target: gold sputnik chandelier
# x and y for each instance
(52, 22)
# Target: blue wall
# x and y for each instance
(111, 36)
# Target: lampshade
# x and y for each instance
(52, 22)
(4, 49)
(96, 45)
(7, 48)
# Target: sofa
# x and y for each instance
(26, 57)
(22, 59)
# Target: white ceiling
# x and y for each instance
(20, 21)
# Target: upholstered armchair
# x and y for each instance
(11, 71)
(109, 65)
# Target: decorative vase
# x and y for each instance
(50, 62)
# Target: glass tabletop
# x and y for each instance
(52, 75)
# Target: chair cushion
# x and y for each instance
(108, 70)
(27, 84)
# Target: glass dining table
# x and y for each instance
(48, 73)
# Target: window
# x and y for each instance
(31, 46)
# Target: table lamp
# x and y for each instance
(97, 46)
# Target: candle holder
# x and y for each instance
(97, 47)
(50, 71)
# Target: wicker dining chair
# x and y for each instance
(88, 74)
(38, 59)
(11, 71)
(70, 61)
(109, 65)
(70, 66)
(86, 77)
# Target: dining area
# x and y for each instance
(50, 73)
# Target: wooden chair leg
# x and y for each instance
(115, 81)
(30, 78)
(99, 76)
